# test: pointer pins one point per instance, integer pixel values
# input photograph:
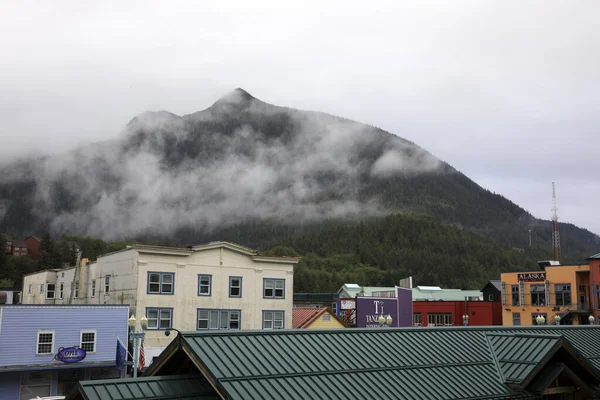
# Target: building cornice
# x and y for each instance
(277, 260)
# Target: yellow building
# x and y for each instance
(561, 294)
(315, 318)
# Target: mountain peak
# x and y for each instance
(237, 98)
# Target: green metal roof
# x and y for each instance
(518, 355)
(182, 387)
(413, 363)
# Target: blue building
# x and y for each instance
(46, 349)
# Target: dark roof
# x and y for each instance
(469, 362)
(497, 284)
(19, 243)
(183, 387)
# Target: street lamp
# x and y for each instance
(591, 319)
(136, 338)
(557, 319)
(465, 320)
(384, 321)
(540, 320)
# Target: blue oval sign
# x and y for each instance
(70, 354)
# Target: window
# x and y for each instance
(94, 288)
(326, 317)
(598, 297)
(61, 290)
(41, 288)
(159, 318)
(538, 295)
(29, 289)
(490, 297)
(522, 292)
(160, 282)
(62, 274)
(274, 288)
(534, 317)
(50, 290)
(417, 319)
(76, 289)
(516, 319)
(88, 341)
(106, 284)
(273, 319)
(35, 384)
(45, 342)
(439, 319)
(235, 286)
(515, 294)
(563, 294)
(218, 319)
(204, 285)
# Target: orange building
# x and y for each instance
(561, 294)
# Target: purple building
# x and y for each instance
(369, 309)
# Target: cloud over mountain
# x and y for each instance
(239, 159)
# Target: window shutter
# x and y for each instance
(548, 297)
(522, 293)
(503, 293)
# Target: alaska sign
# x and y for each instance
(70, 354)
(532, 277)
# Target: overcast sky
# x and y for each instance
(508, 92)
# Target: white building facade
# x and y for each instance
(214, 286)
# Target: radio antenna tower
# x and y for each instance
(555, 233)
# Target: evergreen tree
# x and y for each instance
(3, 257)
(49, 255)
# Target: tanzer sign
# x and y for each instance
(369, 309)
(70, 354)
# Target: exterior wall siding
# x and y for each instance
(10, 385)
(19, 326)
(319, 323)
(481, 313)
(578, 276)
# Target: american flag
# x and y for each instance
(142, 359)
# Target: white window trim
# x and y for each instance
(53, 291)
(95, 339)
(37, 344)
(61, 290)
(93, 289)
(104, 284)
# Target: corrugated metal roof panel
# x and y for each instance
(443, 382)
(410, 363)
(156, 387)
(519, 355)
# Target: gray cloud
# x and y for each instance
(250, 177)
(506, 92)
